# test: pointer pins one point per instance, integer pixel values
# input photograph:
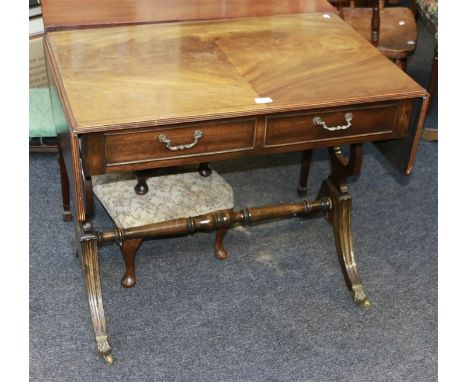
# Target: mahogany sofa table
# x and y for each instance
(152, 85)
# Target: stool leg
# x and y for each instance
(204, 169)
(129, 249)
(141, 187)
(220, 251)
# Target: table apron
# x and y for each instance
(192, 143)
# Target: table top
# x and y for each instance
(156, 74)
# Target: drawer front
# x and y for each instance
(366, 122)
(179, 142)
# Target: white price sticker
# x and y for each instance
(263, 100)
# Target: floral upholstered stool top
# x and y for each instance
(169, 197)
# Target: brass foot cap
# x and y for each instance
(365, 304)
(108, 358)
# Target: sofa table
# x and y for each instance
(147, 85)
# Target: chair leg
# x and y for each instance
(401, 63)
(220, 252)
(304, 177)
(414, 9)
(129, 249)
(66, 214)
(431, 135)
(434, 76)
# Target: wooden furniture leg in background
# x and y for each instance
(66, 214)
(87, 240)
(336, 188)
(414, 9)
(305, 169)
(401, 63)
(432, 134)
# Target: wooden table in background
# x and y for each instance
(251, 78)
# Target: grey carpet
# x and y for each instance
(277, 309)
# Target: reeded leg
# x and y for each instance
(87, 247)
(204, 169)
(340, 218)
(220, 251)
(67, 215)
(129, 249)
(304, 177)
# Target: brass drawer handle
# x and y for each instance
(167, 141)
(319, 121)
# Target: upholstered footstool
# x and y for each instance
(169, 197)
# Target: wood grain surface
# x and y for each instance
(60, 14)
(156, 74)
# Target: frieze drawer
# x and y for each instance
(369, 122)
(179, 142)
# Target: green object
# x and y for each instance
(41, 123)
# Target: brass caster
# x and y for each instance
(365, 305)
(359, 297)
(104, 348)
(108, 358)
